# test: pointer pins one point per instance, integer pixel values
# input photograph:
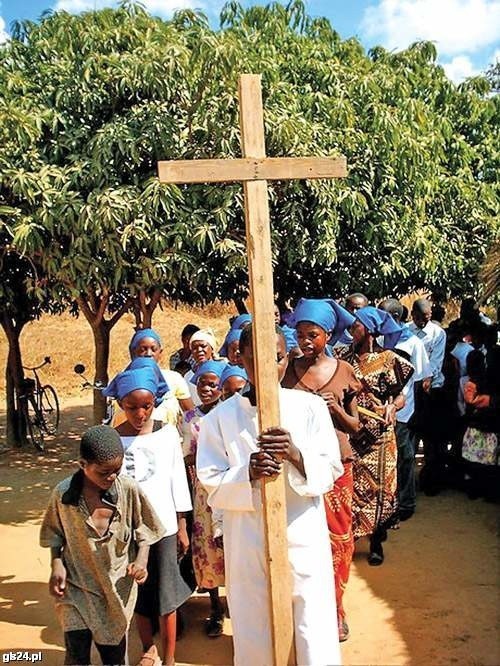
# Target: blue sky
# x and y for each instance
(466, 32)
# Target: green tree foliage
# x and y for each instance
(90, 103)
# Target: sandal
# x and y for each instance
(214, 625)
(150, 657)
(343, 630)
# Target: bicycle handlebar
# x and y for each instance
(46, 361)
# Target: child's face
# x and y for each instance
(232, 385)
(208, 388)
(148, 347)
(358, 332)
(233, 352)
(201, 351)
(102, 474)
(312, 339)
(281, 360)
(138, 406)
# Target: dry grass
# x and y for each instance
(69, 341)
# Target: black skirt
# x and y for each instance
(165, 589)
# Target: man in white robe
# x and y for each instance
(230, 454)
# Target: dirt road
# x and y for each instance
(434, 602)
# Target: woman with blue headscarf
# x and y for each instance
(146, 344)
(318, 322)
(153, 457)
(206, 546)
(383, 374)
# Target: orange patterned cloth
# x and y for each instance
(374, 504)
(338, 505)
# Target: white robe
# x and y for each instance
(226, 440)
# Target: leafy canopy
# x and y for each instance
(90, 103)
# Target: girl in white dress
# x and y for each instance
(153, 457)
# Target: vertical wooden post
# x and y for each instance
(258, 231)
(253, 169)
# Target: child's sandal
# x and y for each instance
(150, 658)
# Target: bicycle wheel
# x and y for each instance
(33, 424)
(50, 409)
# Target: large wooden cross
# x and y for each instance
(254, 169)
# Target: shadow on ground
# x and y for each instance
(440, 581)
(27, 476)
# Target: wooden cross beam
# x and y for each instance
(254, 169)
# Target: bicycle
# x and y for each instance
(39, 405)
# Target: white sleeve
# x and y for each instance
(321, 454)
(187, 436)
(180, 488)
(228, 488)
(421, 363)
(437, 353)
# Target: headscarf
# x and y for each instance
(241, 320)
(232, 371)
(345, 338)
(290, 337)
(324, 312)
(406, 333)
(216, 367)
(142, 373)
(234, 334)
(207, 335)
(140, 335)
(378, 322)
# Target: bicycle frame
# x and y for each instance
(39, 406)
(36, 391)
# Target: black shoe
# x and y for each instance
(376, 556)
(214, 625)
(405, 514)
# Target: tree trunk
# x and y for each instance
(143, 310)
(101, 334)
(240, 305)
(16, 427)
(94, 307)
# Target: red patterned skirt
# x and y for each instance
(338, 505)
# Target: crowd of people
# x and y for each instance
(167, 497)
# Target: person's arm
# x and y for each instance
(393, 406)
(181, 391)
(422, 365)
(187, 440)
(182, 535)
(472, 397)
(52, 536)
(436, 357)
(228, 485)
(138, 569)
(346, 417)
(186, 404)
(277, 443)
(180, 487)
(57, 581)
